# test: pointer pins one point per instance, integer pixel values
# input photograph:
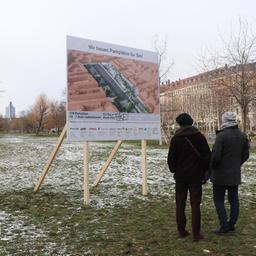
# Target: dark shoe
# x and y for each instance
(220, 231)
(197, 238)
(184, 234)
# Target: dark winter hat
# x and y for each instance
(184, 119)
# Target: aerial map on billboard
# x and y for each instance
(112, 91)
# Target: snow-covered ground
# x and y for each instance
(23, 158)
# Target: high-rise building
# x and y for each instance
(10, 111)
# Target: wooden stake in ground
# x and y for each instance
(144, 167)
(50, 160)
(86, 173)
(107, 163)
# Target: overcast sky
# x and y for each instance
(33, 36)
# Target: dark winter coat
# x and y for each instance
(230, 151)
(186, 165)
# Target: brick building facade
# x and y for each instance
(204, 98)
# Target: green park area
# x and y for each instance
(119, 220)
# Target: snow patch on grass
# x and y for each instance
(24, 158)
(11, 227)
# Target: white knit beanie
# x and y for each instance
(228, 119)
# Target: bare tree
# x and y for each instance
(235, 68)
(40, 111)
(57, 115)
(2, 123)
(164, 62)
(164, 67)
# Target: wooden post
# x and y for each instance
(144, 167)
(86, 173)
(161, 137)
(107, 163)
(50, 160)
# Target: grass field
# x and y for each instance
(119, 220)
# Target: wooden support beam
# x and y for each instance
(144, 167)
(86, 174)
(50, 160)
(107, 163)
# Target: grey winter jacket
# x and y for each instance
(230, 151)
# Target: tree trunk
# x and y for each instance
(39, 126)
(37, 130)
(244, 118)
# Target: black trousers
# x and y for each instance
(195, 192)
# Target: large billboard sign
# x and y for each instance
(112, 92)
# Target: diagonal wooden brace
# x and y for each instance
(50, 160)
(107, 163)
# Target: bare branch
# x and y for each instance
(238, 70)
(165, 65)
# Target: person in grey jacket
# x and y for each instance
(230, 151)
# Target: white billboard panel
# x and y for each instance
(113, 92)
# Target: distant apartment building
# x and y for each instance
(204, 98)
(10, 111)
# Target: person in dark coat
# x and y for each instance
(188, 158)
(230, 151)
